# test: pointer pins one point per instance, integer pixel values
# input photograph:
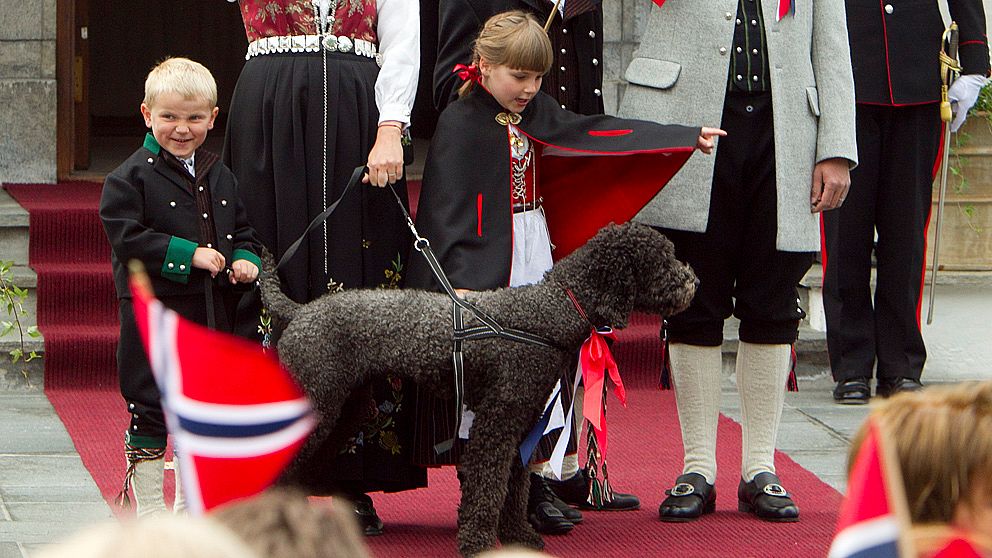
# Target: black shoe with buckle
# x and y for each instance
(852, 391)
(542, 512)
(368, 519)
(575, 491)
(888, 387)
(689, 499)
(766, 499)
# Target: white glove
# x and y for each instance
(962, 95)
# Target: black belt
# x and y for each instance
(526, 206)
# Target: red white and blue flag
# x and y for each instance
(873, 520)
(236, 416)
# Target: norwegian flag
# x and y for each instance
(236, 416)
(873, 518)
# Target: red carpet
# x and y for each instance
(77, 308)
(645, 444)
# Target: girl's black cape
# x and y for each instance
(594, 170)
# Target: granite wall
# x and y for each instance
(27, 91)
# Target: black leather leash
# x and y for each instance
(489, 326)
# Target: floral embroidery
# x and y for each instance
(265, 328)
(333, 286)
(381, 423)
(394, 275)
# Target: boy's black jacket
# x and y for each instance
(145, 203)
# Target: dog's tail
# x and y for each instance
(280, 306)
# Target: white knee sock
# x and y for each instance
(179, 503)
(761, 374)
(696, 374)
(147, 486)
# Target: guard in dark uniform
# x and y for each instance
(894, 51)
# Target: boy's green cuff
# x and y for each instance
(242, 254)
(178, 260)
(144, 442)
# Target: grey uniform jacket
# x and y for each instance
(678, 75)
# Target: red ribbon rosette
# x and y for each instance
(595, 362)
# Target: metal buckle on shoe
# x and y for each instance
(773, 489)
(682, 489)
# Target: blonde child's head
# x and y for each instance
(283, 523)
(515, 40)
(187, 78)
(180, 105)
(942, 438)
(156, 537)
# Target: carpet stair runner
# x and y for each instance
(77, 307)
(77, 313)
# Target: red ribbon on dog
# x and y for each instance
(468, 72)
(595, 361)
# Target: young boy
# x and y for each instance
(175, 208)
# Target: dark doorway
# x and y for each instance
(106, 48)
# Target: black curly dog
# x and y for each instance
(340, 341)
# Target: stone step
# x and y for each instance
(19, 376)
(13, 230)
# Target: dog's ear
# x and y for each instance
(615, 271)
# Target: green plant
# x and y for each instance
(958, 163)
(13, 298)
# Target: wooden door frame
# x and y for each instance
(71, 71)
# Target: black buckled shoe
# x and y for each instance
(766, 499)
(542, 512)
(368, 519)
(575, 491)
(689, 499)
(888, 387)
(853, 391)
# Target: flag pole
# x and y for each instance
(551, 16)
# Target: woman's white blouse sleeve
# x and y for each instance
(399, 43)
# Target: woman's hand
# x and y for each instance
(705, 141)
(386, 158)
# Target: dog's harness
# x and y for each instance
(487, 328)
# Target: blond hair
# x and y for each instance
(183, 76)
(514, 39)
(942, 437)
(165, 536)
(282, 523)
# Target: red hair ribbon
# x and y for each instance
(468, 72)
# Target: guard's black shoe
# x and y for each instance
(689, 499)
(766, 499)
(853, 391)
(368, 519)
(887, 387)
(542, 513)
(575, 491)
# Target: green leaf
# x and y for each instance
(33, 331)
(15, 355)
(31, 356)
(5, 328)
